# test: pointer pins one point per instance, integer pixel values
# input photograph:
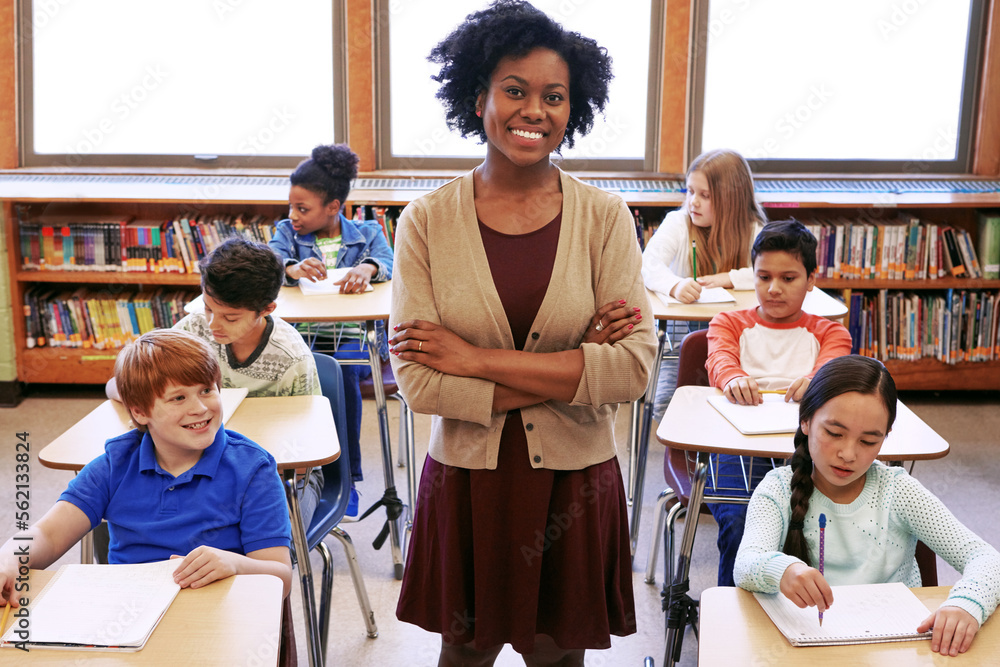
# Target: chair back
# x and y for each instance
(337, 474)
(690, 371)
(927, 563)
(691, 360)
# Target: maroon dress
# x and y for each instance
(498, 556)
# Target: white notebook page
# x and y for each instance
(859, 614)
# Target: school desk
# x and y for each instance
(817, 302)
(298, 431)
(235, 621)
(734, 630)
(691, 424)
(368, 307)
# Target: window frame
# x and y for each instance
(383, 108)
(27, 157)
(968, 114)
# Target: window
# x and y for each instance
(222, 83)
(412, 129)
(855, 85)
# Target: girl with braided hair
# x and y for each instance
(876, 513)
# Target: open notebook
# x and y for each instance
(97, 607)
(863, 614)
(774, 415)
(326, 286)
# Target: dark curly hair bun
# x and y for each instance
(328, 172)
(337, 160)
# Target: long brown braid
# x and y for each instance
(802, 488)
(837, 376)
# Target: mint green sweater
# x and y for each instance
(871, 540)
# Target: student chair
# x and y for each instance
(333, 504)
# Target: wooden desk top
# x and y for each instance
(294, 306)
(298, 431)
(692, 424)
(817, 302)
(236, 621)
(735, 630)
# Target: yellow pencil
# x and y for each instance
(6, 613)
(772, 391)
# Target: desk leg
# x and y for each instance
(316, 656)
(681, 609)
(393, 505)
(87, 548)
(637, 469)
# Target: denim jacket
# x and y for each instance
(359, 241)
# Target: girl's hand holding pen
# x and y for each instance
(612, 322)
(310, 268)
(806, 587)
(686, 291)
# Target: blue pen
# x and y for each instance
(822, 539)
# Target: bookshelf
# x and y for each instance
(99, 195)
(954, 202)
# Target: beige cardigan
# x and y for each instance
(442, 275)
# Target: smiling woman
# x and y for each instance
(521, 499)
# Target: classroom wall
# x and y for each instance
(361, 23)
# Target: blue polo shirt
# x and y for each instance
(231, 499)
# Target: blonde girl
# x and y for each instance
(721, 215)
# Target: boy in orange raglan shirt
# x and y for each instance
(773, 346)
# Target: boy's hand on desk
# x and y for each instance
(616, 319)
(954, 630)
(204, 565)
(806, 587)
(743, 390)
(7, 592)
(797, 389)
(310, 268)
(686, 291)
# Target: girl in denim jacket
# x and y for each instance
(316, 237)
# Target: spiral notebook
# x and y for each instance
(863, 614)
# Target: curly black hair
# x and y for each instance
(470, 54)
(328, 172)
(241, 273)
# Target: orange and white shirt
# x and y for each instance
(741, 344)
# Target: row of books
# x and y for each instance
(94, 318)
(126, 244)
(386, 216)
(905, 249)
(952, 326)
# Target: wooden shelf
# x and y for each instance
(66, 365)
(109, 277)
(931, 374)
